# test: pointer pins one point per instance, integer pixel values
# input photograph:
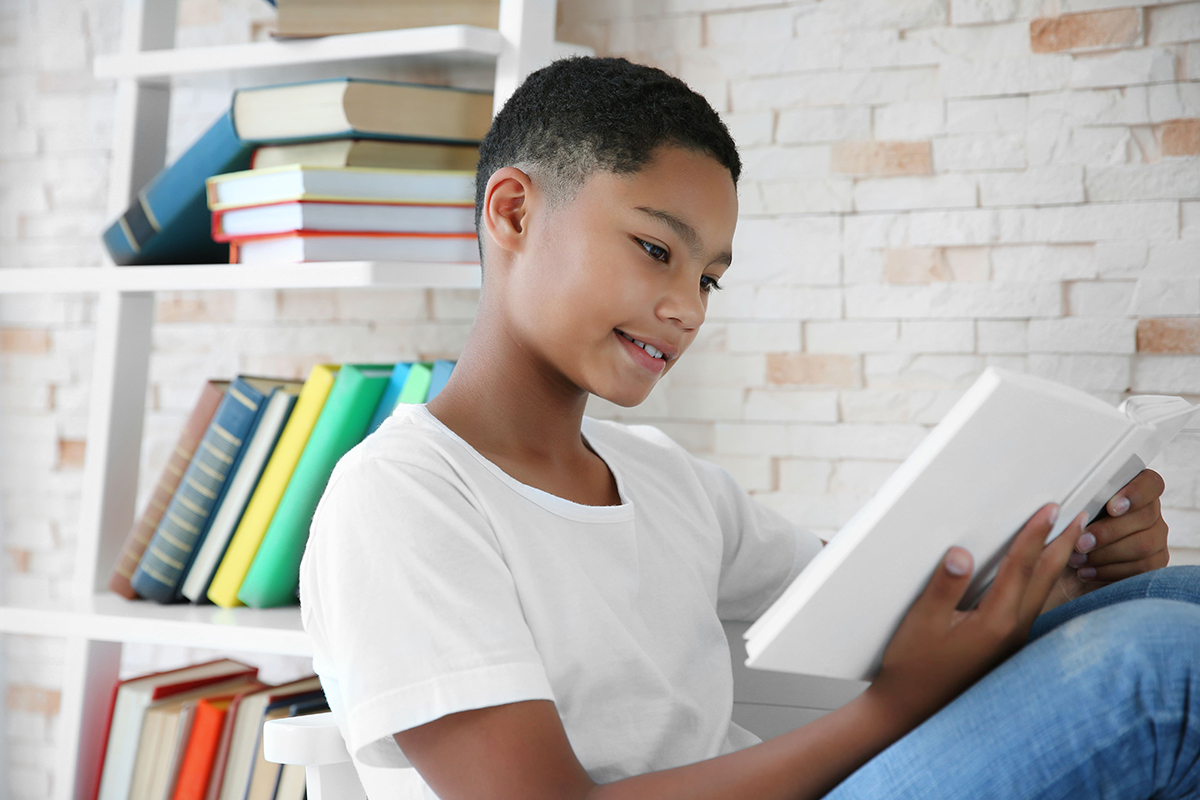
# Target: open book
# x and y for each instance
(1011, 444)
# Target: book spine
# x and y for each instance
(274, 573)
(391, 395)
(271, 486)
(168, 222)
(169, 553)
(164, 490)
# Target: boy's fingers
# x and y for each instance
(1107, 530)
(1049, 567)
(1134, 547)
(1125, 569)
(1145, 487)
(1019, 563)
(945, 589)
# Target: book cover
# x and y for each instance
(304, 18)
(368, 153)
(201, 749)
(1010, 445)
(243, 478)
(321, 215)
(445, 248)
(167, 557)
(131, 698)
(261, 508)
(416, 387)
(264, 775)
(193, 431)
(273, 575)
(216, 775)
(293, 182)
(439, 376)
(390, 396)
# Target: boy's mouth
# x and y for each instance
(650, 349)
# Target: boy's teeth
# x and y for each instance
(648, 348)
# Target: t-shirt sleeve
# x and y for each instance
(409, 603)
(763, 550)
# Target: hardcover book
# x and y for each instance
(438, 378)
(1010, 445)
(168, 221)
(185, 522)
(261, 508)
(278, 218)
(341, 184)
(368, 153)
(274, 574)
(193, 431)
(390, 396)
(292, 248)
(243, 478)
(303, 18)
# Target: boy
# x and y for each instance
(523, 602)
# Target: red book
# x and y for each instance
(201, 752)
(164, 490)
(127, 711)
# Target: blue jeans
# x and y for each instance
(1102, 702)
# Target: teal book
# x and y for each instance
(416, 386)
(181, 530)
(391, 395)
(275, 571)
(169, 221)
(437, 379)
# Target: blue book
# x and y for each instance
(167, 557)
(169, 222)
(391, 395)
(441, 374)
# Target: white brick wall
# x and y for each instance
(931, 187)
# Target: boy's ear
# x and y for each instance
(506, 208)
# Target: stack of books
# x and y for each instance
(341, 142)
(196, 734)
(229, 517)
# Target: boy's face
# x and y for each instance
(629, 261)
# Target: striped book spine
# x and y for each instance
(169, 553)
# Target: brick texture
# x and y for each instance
(791, 369)
(881, 158)
(1089, 31)
(1181, 137)
(1169, 335)
(24, 340)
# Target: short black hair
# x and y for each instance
(581, 115)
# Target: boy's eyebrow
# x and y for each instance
(686, 232)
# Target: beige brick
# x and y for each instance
(1088, 31)
(18, 559)
(24, 340)
(1170, 335)
(882, 158)
(915, 265)
(71, 453)
(1181, 137)
(197, 307)
(805, 369)
(32, 699)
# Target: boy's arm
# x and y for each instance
(520, 751)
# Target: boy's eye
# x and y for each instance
(709, 284)
(654, 251)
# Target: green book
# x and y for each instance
(416, 386)
(275, 571)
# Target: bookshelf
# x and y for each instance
(94, 622)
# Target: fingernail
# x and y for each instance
(1087, 573)
(1119, 506)
(1077, 559)
(1053, 516)
(958, 564)
(1085, 543)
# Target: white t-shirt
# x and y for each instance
(434, 582)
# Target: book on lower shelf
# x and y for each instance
(168, 222)
(1010, 445)
(237, 522)
(196, 733)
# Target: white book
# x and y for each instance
(356, 184)
(241, 485)
(385, 217)
(292, 249)
(1010, 445)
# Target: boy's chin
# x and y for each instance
(625, 399)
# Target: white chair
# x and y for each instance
(765, 703)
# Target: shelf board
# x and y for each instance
(110, 618)
(456, 43)
(197, 277)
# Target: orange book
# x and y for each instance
(197, 763)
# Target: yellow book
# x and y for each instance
(249, 534)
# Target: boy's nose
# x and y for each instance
(683, 304)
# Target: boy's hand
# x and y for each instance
(1129, 538)
(938, 651)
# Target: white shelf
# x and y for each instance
(109, 617)
(456, 43)
(196, 277)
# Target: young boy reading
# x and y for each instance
(523, 602)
